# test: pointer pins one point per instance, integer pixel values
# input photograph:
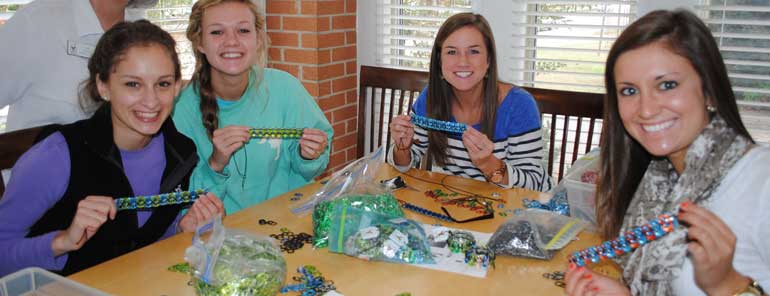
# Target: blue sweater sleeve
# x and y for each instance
(38, 181)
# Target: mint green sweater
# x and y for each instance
(263, 168)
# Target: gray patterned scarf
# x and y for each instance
(650, 269)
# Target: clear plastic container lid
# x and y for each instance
(34, 281)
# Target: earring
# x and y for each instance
(711, 109)
(106, 98)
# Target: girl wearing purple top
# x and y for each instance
(58, 212)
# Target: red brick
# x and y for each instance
(350, 67)
(309, 7)
(283, 39)
(309, 40)
(339, 129)
(345, 83)
(344, 53)
(332, 102)
(337, 159)
(281, 7)
(350, 37)
(331, 71)
(331, 39)
(345, 142)
(350, 6)
(352, 153)
(352, 126)
(273, 22)
(274, 54)
(301, 56)
(351, 96)
(324, 88)
(292, 69)
(345, 113)
(344, 22)
(312, 88)
(331, 7)
(324, 56)
(305, 24)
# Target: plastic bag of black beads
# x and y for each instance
(534, 233)
(378, 237)
(234, 263)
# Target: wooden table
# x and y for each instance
(143, 272)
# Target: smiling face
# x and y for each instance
(660, 100)
(141, 90)
(229, 39)
(464, 59)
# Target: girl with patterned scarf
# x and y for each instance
(673, 141)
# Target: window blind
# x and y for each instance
(406, 29)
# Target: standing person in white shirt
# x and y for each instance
(44, 52)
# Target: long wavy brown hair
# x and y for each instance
(440, 94)
(623, 160)
(202, 77)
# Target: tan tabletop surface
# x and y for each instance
(143, 272)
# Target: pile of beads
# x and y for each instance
(460, 241)
(480, 257)
(439, 125)
(291, 242)
(472, 203)
(154, 201)
(636, 237)
(276, 133)
(423, 211)
(310, 282)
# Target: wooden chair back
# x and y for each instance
(571, 120)
(571, 125)
(383, 94)
(13, 145)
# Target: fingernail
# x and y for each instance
(588, 276)
(595, 289)
(580, 269)
(572, 266)
(684, 205)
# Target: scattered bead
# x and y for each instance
(291, 242)
(267, 222)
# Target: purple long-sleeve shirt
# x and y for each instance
(40, 178)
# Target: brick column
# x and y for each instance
(316, 42)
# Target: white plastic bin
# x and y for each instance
(580, 195)
(33, 281)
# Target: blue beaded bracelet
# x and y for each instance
(439, 125)
(634, 238)
(154, 201)
(425, 212)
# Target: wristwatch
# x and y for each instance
(753, 289)
(497, 175)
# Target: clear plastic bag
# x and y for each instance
(373, 236)
(233, 262)
(382, 203)
(355, 179)
(534, 233)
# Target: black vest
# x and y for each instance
(97, 169)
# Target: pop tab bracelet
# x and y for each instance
(634, 238)
(435, 124)
(154, 201)
(276, 133)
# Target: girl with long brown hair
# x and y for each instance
(503, 141)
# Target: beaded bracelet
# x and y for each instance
(154, 201)
(425, 212)
(634, 238)
(440, 125)
(276, 133)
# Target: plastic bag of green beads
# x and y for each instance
(383, 203)
(357, 178)
(234, 263)
(373, 236)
